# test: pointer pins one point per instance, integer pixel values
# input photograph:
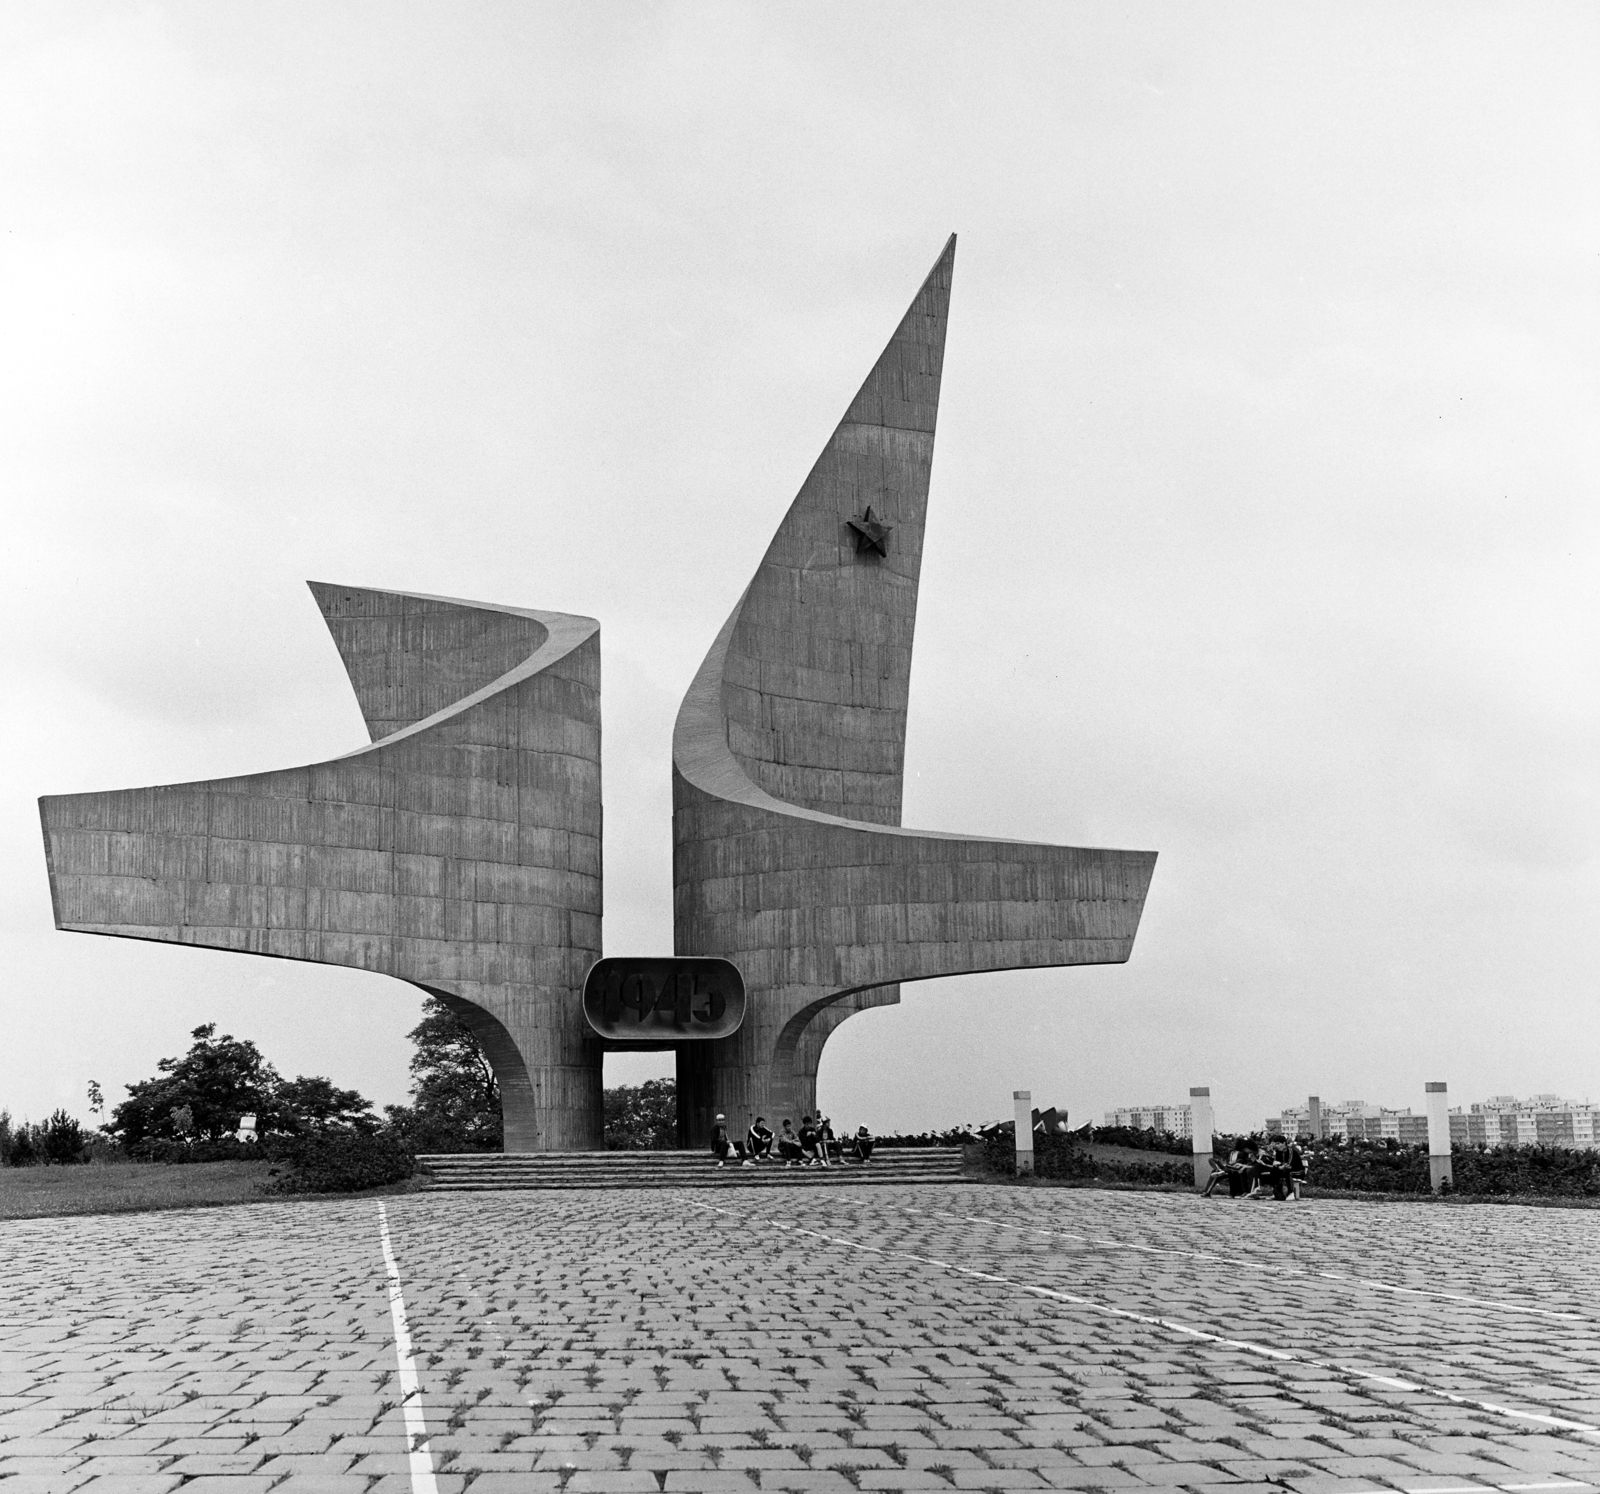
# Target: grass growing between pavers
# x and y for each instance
(133, 1187)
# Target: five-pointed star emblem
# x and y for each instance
(870, 534)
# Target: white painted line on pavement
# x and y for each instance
(418, 1451)
(1271, 1266)
(1483, 1488)
(1172, 1325)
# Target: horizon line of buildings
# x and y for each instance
(1501, 1120)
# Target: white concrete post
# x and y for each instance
(1439, 1169)
(1200, 1130)
(1022, 1104)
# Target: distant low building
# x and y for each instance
(1178, 1119)
(1501, 1120)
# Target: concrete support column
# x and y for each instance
(1439, 1168)
(1200, 1129)
(1022, 1107)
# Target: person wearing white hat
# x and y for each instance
(721, 1147)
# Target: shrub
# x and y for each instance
(1057, 1157)
(1502, 1171)
(1552, 1171)
(955, 1136)
(337, 1161)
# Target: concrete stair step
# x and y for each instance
(494, 1172)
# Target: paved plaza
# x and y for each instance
(805, 1339)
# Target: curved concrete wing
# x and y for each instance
(460, 851)
(788, 856)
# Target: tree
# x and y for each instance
(61, 1139)
(216, 1082)
(455, 1102)
(315, 1104)
(23, 1151)
(642, 1117)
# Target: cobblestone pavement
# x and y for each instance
(805, 1339)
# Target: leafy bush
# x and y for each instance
(954, 1136)
(342, 1161)
(1550, 1171)
(1503, 1171)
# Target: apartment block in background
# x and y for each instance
(1501, 1120)
(1541, 1120)
(1178, 1119)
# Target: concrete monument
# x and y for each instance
(460, 851)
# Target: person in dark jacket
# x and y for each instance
(758, 1140)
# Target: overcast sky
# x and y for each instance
(1263, 530)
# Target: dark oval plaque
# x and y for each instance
(663, 1000)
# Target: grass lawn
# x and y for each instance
(118, 1188)
(129, 1187)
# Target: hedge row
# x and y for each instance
(1349, 1167)
(1546, 1171)
(342, 1162)
(1057, 1157)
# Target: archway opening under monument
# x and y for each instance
(641, 1104)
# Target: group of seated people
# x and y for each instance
(813, 1146)
(1278, 1163)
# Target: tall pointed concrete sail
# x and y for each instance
(817, 673)
(460, 851)
(787, 775)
